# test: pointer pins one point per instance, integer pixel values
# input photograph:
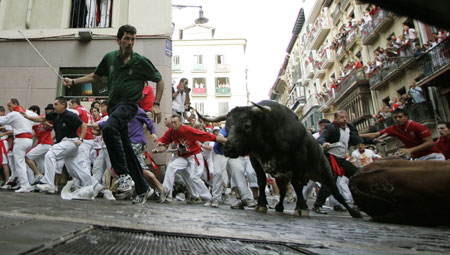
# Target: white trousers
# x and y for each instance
(37, 154)
(101, 163)
(91, 15)
(194, 170)
(250, 173)
(21, 145)
(237, 169)
(67, 151)
(84, 152)
(105, 13)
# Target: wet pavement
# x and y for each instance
(32, 222)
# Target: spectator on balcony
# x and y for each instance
(410, 33)
(180, 97)
(402, 102)
(409, 100)
(444, 140)
(367, 17)
(418, 51)
(373, 10)
(393, 104)
(416, 93)
(386, 112)
(416, 137)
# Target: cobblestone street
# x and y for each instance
(32, 222)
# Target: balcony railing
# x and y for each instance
(222, 68)
(327, 58)
(340, 51)
(380, 21)
(309, 70)
(435, 60)
(326, 99)
(224, 91)
(354, 76)
(310, 103)
(199, 68)
(421, 113)
(351, 38)
(176, 68)
(321, 29)
(199, 91)
(391, 68)
(336, 14)
(299, 102)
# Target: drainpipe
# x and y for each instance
(28, 17)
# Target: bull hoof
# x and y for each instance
(261, 209)
(355, 213)
(279, 207)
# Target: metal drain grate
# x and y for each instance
(107, 241)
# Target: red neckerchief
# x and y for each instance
(19, 109)
(104, 114)
(337, 124)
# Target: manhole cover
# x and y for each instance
(119, 241)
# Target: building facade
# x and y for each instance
(215, 68)
(73, 36)
(360, 58)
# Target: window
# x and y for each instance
(176, 60)
(86, 91)
(200, 107)
(198, 59)
(223, 107)
(199, 85)
(220, 59)
(91, 13)
(222, 85)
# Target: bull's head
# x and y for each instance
(243, 126)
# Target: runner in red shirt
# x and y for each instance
(444, 141)
(35, 155)
(87, 144)
(190, 159)
(416, 137)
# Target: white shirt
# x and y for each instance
(179, 101)
(340, 148)
(18, 123)
(365, 158)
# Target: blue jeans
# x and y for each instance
(115, 136)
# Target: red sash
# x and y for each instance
(339, 171)
(2, 150)
(153, 163)
(24, 135)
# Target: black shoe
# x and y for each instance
(339, 208)
(319, 210)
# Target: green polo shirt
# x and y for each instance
(126, 81)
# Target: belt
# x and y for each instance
(24, 135)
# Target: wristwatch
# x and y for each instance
(156, 103)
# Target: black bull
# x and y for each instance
(280, 145)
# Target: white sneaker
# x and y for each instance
(11, 180)
(37, 178)
(5, 186)
(15, 187)
(125, 183)
(24, 190)
(215, 203)
(46, 188)
(108, 195)
(207, 204)
(97, 188)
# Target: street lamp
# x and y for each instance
(201, 19)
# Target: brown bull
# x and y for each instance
(405, 192)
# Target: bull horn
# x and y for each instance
(261, 107)
(212, 119)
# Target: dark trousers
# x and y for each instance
(115, 136)
(349, 171)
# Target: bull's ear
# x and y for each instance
(212, 119)
(262, 108)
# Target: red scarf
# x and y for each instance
(19, 109)
(2, 150)
(337, 124)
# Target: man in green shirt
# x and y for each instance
(126, 71)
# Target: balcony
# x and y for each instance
(435, 62)
(224, 91)
(392, 67)
(340, 51)
(421, 112)
(199, 92)
(352, 37)
(299, 102)
(318, 72)
(326, 100)
(222, 68)
(336, 14)
(176, 68)
(356, 76)
(310, 103)
(309, 70)
(380, 22)
(327, 58)
(322, 27)
(199, 68)
(367, 35)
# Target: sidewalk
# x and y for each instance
(30, 221)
